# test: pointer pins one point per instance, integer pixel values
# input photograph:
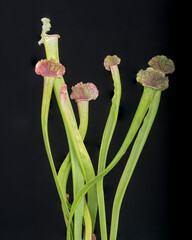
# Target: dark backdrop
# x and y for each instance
(135, 30)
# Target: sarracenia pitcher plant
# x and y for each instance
(88, 192)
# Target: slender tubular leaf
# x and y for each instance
(82, 155)
(146, 99)
(47, 92)
(66, 165)
(63, 174)
(106, 140)
(77, 175)
(78, 182)
(132, 161)
(83, 107)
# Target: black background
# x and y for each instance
(135, 30)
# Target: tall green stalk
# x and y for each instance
(47, 91)
(110, 63)
(82, 155)
(83, 107)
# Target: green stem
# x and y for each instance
(78, 182)
(106, 140)
(83, 107)
(65, 168)
(77, 175)
(63, 175)
(132, 161)
(75, 139)
(47, 92)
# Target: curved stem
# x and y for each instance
(63, 175)
(47, 91)
(106, 140)
(65, 168)
(77, 175)
(75, 139)
(78, 182)
(83, 107)
(132, 161)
